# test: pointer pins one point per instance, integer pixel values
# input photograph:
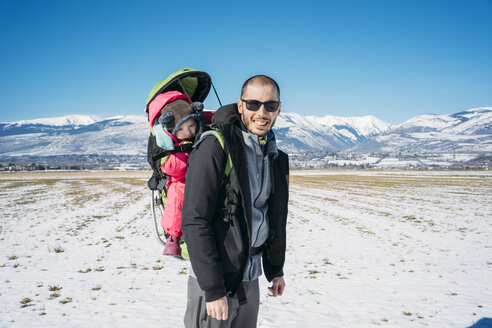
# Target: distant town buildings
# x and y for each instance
(316, 160)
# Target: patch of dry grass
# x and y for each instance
(375, 182)
(54, 288)
(25, 302)
(58, 249)
(74, 175)
(54, 295)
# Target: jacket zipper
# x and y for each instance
(256, 199)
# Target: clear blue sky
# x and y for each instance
(391, 59)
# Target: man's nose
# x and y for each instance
(262, 110)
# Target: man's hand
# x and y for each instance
(218, 309)
(278, 286)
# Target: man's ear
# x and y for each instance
(240, 106)
(279, 107)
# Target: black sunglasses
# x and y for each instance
(254, 105)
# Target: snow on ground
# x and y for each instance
(396, 163)
(448, 159)
(359, 161)
(365, 248)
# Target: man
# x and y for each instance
(233, 222)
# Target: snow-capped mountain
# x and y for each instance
(73, 120)
(470, 130)
(79, 134)
(295, 132)
(127, 135)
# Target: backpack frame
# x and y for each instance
(195, 85)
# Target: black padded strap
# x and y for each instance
(241, 295)
(160, 153)
(256, 250)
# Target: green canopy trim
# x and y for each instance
(195, 84)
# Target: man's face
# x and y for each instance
(261, 121)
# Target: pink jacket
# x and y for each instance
(175, 166)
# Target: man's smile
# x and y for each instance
(261, 122)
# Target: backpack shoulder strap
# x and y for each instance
(220, 137)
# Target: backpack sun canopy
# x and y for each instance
(195, 84)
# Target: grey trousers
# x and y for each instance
(243, 316)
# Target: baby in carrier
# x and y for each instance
(176, 128)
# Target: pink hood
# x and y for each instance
(161, 100)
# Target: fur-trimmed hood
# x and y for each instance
(160, 101)
(167, 112)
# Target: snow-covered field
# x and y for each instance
(365, 248)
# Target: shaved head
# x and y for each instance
(260, 80)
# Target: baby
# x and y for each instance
(178, 125)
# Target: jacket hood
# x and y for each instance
(176, 113)
(226, 114)
(160, 101)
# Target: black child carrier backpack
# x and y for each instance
(195, 85)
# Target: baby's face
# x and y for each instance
(187, 130)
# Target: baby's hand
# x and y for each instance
(186, 142)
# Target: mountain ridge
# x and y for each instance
(469, 130)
